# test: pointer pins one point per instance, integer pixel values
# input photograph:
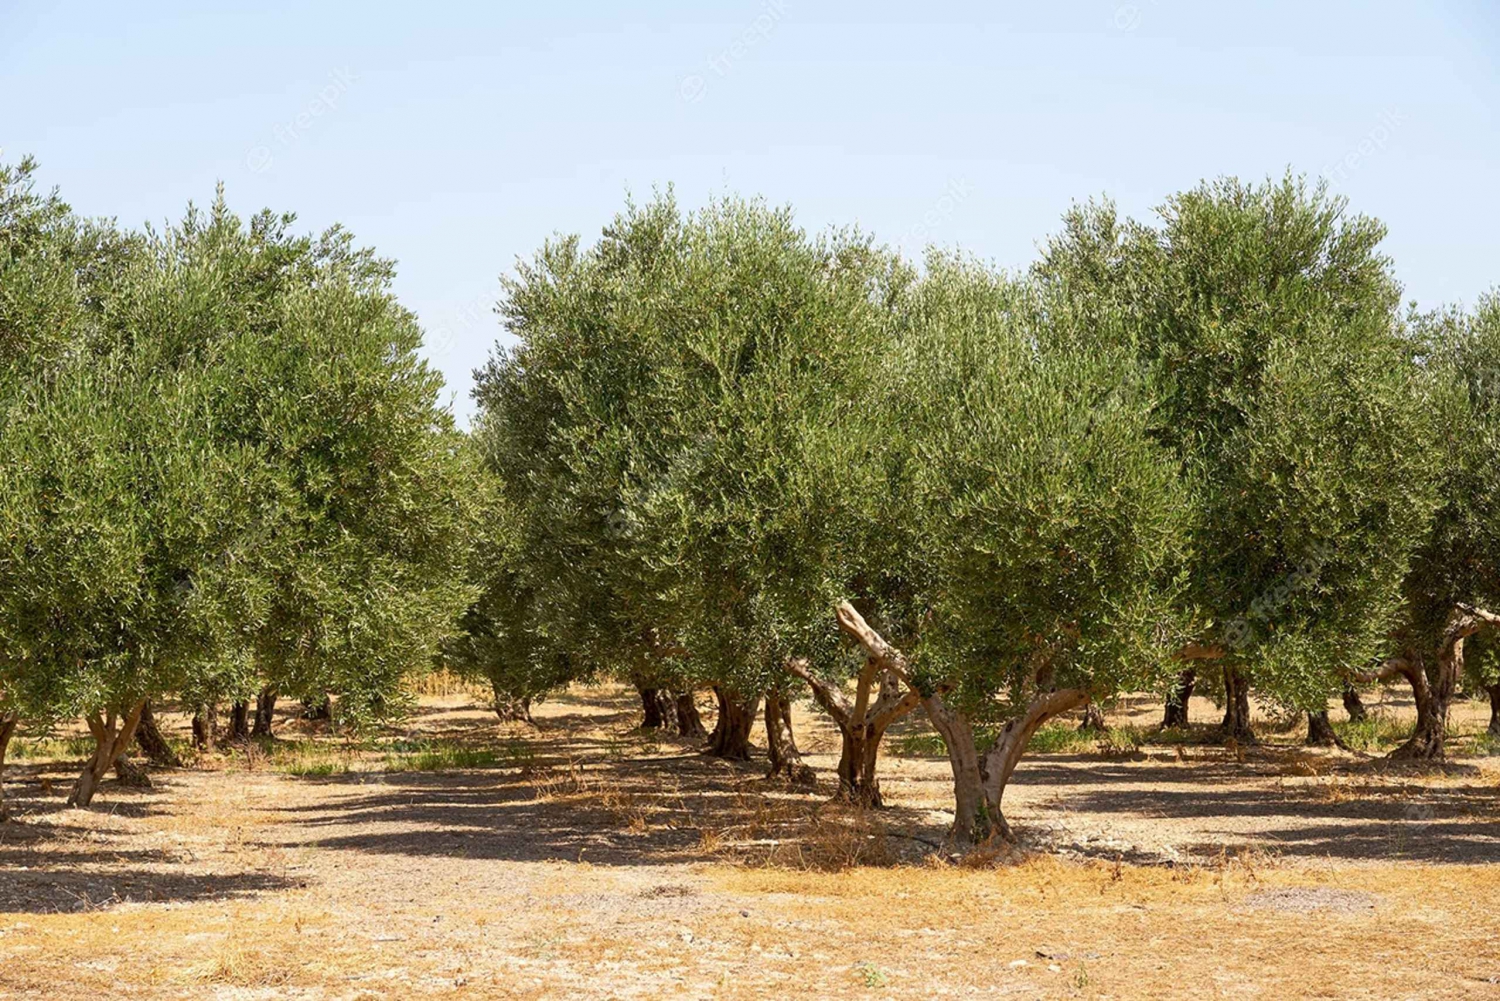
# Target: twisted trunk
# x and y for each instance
(265, 712)
(1494, 692)
(510, 708)
(109, 742)
(1354, 706)
(656, 704)
(1093, 718)
(979, 782)
(239, 721)
(689, 723)
(731, 737)
(148, 737)
(1433, 688)
(781, 743)
(1236, 724)
(206, 728)
(7, 730)
(1320, 732)
(321, 710)
(1176, 714)
(862, 724)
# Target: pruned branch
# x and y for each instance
(829, 698)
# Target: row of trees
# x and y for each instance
(223, 472)
(727, 454)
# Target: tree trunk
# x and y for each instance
(317, 710)
(656, 704)
(1320, 732)
(206, 728)
(1494, 692)
(239, 721)
(510, 708)
(7, 730)
(1176, 714)
(731, 737)
(781, 743)
(972, 822)
(1434, 690)
(108, 742)
(1093, 719)
(1236, 725)
(689, 723)
(1354, 706)
(152, 744)
(265, 712)
(862, 724)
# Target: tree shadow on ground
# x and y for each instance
(1366, 811)
(57, 860)
(585, 799)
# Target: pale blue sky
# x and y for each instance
(460, 135)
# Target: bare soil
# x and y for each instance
(593, 860)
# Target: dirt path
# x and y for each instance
(589, 860)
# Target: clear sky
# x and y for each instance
(456, 137)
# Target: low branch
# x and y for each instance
(832, 702)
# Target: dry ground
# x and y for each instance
(586, 859)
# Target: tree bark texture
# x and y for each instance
(148, 737)
(239, 721)
(862, 723)
(689, 722)
(112, 733)
(1320, 732)
(979, 782)
(731, 737)
(1176, 714)
(781, 743)
(1433, 685)
(265, 712)
(7, 731)
(1354, 706)
(1494, 693)
(1236, 724)
(206, 728)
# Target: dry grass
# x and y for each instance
(584, 859)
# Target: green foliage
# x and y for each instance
(1290, 399)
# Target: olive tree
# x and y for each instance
(1051, 525)
(1456, 572)
(1290, 401)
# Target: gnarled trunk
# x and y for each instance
(206, 728)
(1176, 714)
(1433, 690)
(239, 721)
(510, 708)
(978, 783)
(1320, 732)
(317, 709)
(781, 743)
(265, 712)
(1236, 724)
(1494, 692)
(109, 742)
(861, 724)
(1354, 706)
(656, 705)
(731, 736)
(1093, 718)
(7, 730)
(689, 723)
(148, 737)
